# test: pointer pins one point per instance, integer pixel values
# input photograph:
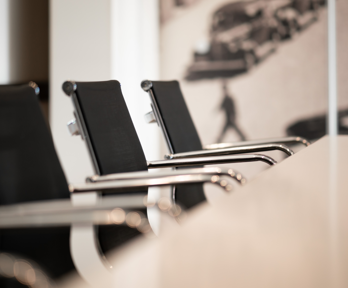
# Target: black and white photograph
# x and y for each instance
(262, 54)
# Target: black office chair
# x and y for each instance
(103, 120)
(170, 112)
(30, 171)
(34, 192)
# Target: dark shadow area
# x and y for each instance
(29, 45)
(316, 127)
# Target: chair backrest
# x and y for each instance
(177, 121)
(29, 166)
(30, 171)
(179, 130)
(107, 126)
(113, 144)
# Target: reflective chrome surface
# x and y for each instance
(73, 127)
(285, 140)
(146, 85)
(211, 160)
(222, 181)
(100, 217)
(233, 150)
(69, 88)
(150, 117)
(35, 87)
(215, 170)
(62, 212)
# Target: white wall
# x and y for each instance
(101, 40)
(79, 50)
(93, 41)
(135, 57)
(4, 42)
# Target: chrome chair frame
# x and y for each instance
(82, 219)
(62, 212)
(77, 126)
(220, 148)
(183, 172)
(285, 140)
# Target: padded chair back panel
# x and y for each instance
(176, 116)
(30, 171)
(182, 134)
(29, 166)
(115, 142)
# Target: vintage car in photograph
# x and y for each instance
(242, 34)
(286, 16)
(295, 15)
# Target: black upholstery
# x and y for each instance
(189, 195)
(30, 171)
(110, 127)
(181, 131)
(115, 143)
(176, 116)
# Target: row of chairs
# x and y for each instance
(30, 171)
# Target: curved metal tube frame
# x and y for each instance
(133, 175)
(222, 181)
(211, 160)
(146, 85)
(232, 150)
(285, 140)
(62, 212)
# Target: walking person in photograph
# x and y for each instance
(228, 106)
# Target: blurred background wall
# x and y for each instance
(94, 41)
(50, 41)
(287, 85)
(281, 93)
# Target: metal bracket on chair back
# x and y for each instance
(73, 128)
(35, 87)
(150, 117)
(146, 85)
(69, 88)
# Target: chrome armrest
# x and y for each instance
(134, 175)
(232, 150)
(210, 160)
(284, 140)
(105, 186)
(62, 212)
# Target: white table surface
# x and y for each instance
(288, 227)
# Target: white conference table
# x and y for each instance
(288, 227)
